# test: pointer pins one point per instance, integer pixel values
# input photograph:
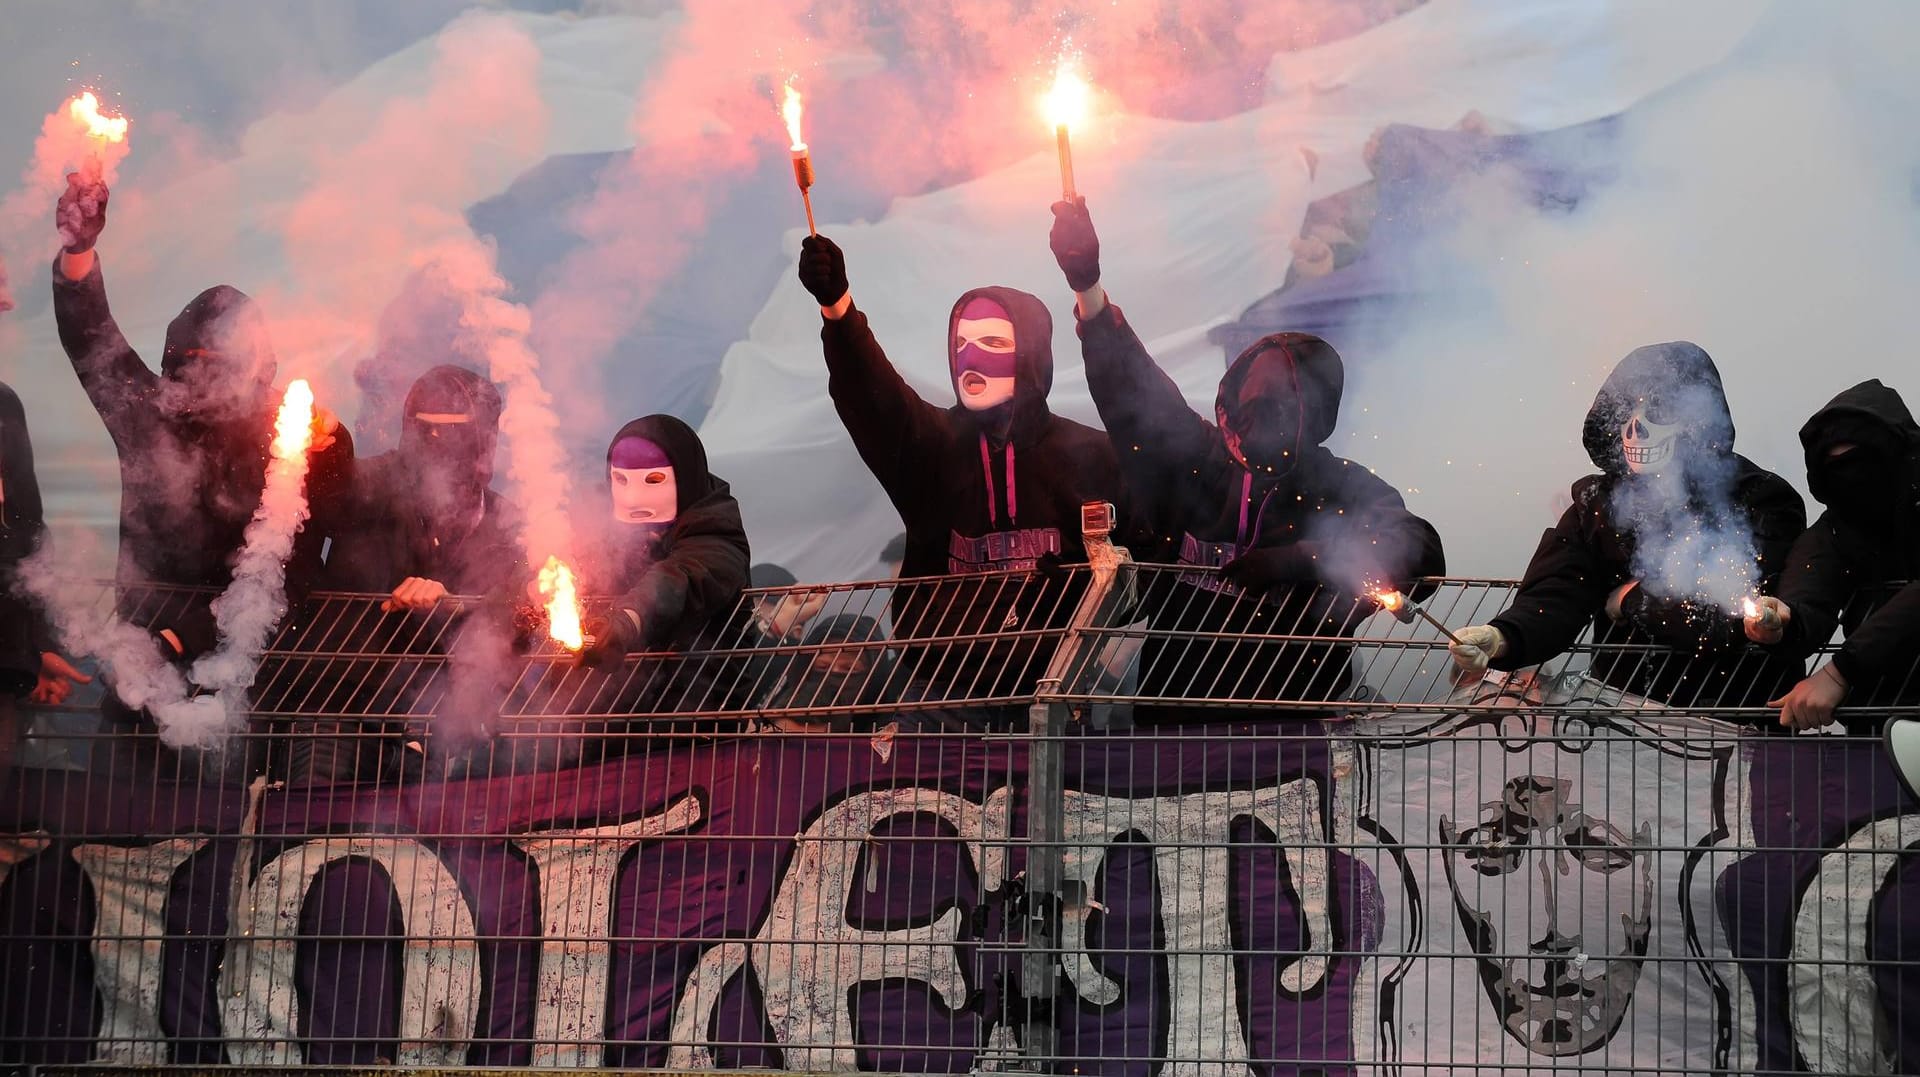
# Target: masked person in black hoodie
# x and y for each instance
(1857, 567)
(662, 571)
(994, 483)
(1301, 538)
(1638, 555)
(30, 668)
(193, 443)
(426, 525)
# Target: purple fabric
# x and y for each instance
(674, 899)
(973, 357)
(629, 454)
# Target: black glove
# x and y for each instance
(611, 640)
(823, 269)
(82, 213)
(1271, 567)
(1053, 568)
(1075, 244)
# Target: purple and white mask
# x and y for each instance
(985, 365)
(641, 476)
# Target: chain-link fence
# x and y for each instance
(1111, 819)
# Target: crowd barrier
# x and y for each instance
(1032, 822)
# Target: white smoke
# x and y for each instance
(247, 612)
(26, 212)
(138, 673)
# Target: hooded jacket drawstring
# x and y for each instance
(1013, 495)
(1244, 540)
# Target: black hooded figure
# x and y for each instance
(663, 567)
(193, 443)
(992, 484)
(1856, 568)
(24, 633)
(1661, 433)
(1300, 536)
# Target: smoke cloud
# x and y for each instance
(63, 146)
(135, 669)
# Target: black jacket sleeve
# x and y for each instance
(1887, 643)
(121, 387)
(700, 575)
(1566, 583)
(1375, 522)
(894, 429)
(1816, 584)
(1777, 516)
(1156, 436)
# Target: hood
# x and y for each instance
(1679, 374)
(452, 463)
(449, 389)
(683, 448)
(1281, 396)
(219, 355)
(1033, 348)
(1870, 415)
(19, 489)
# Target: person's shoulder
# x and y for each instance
(1753, 481)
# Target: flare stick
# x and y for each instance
(1066, 162)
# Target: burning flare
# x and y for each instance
(563, 608)
(293, 426)
(1389, 600)
(1065, 105)
(790, 111)
(85, 111)
(1749, 609)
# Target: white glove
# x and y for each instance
(1479, 645)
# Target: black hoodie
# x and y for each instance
(1702, 658)
(23, 632)
(992, 491)
(193, 447)
(1856, 569)
(472, 547)
(1328, 524)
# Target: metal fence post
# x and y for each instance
(1040, 969)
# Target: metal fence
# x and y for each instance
(1112, 819)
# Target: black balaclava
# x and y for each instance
(1877, 481)
(853, 677)
(1278, 400)
(1667, 399)
(451, 461)
(218, 365)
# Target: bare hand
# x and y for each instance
(1768, 625)
(1618, 598)
(57, 678)
(1811, 702)
(415, 593)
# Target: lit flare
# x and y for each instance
(85, 110)
(1065, 105)
(563, 604)
(790, 109)
(293, 425)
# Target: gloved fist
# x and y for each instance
(82, 213)
(823, 270)
(1769, 621)
(1479, 645)
(609, 640)
(1075, 244)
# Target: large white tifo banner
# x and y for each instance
(1541, 888)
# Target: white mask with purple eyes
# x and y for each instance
(644, 495)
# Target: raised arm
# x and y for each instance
(1155, 434)
(893, 428)
(121, 387)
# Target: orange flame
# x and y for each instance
(1065, 105)
(1749, 608)
(85, 111)
(563, 609)
(1389, 600)
(293, 426)
(790, 112)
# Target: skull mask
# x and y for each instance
(1648, 437)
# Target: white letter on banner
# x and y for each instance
(1188, 835)
(807, 956)
(577, 870)
(129, 920)
(440, 985)
(1836, 1012)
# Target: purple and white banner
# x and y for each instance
(1428, 892)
